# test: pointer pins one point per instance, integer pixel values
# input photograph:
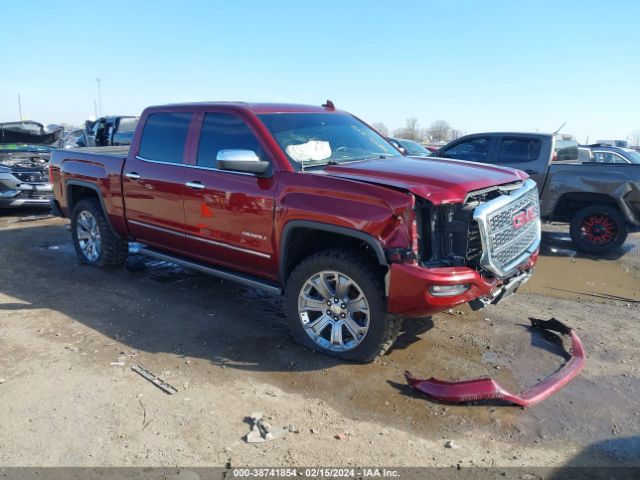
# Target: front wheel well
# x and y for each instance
(302, 242)
(570, 203)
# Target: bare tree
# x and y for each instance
(455, 134)
(634, 138)
(381, 128)
(440, 131)
(411, 130)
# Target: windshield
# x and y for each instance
(414, 148)
(325, 138)
(632, 155)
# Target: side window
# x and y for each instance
(514, 150)
(619, 158)
(608, 157)
(474, 150)
(222, 131)
(127, 124)
(164, 137)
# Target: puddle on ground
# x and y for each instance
(563, 272)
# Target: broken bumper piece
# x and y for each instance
(488, 389)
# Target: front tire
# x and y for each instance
(335, 305)
(94, 240)
(598, 229)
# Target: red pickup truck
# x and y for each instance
(308, 202)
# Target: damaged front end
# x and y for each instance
(486, 388)
(25, 149)
(479, 251)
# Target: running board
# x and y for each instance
(222, 273)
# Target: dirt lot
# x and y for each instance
(227, 351)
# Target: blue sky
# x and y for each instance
(481, 65)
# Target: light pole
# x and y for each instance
(99, 97)
(19, 108)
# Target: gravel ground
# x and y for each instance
(69, 335)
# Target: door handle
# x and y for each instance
(132, 175)
(529, 171)
(195, 185)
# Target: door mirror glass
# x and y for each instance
(241, 161)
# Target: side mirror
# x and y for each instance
(241, 161)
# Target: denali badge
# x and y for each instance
(523, 217)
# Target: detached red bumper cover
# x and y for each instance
(488, 389)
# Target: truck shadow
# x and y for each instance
(154, 306)
(616, 458)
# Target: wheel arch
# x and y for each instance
(569, 203)
(304, 237)
(79, 190)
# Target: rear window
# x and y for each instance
(514, 150)
(566, 150)
(164, 137)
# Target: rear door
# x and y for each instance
(229, 215)
(153, 181)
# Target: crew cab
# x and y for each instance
(309, 202)
(601, 202)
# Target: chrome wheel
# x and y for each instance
(88, 235)
(334, 311)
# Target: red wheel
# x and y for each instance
(598, 229)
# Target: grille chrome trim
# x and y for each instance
(486, 212)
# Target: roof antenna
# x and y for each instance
(560, 128)
(329, 105)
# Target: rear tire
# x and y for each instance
(94, 240)
(356, 324)
(598, 229)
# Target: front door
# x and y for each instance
(229, 216)
(153, 182)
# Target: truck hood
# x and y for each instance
(438, 180)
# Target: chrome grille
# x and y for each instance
(505, 243)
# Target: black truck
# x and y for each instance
(601, 202)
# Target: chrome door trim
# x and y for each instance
(197, 167)
(138, 157)
(213, 169)
(226, 245)
(159, 229)
(201, 239)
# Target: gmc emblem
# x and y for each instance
(523, 217)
